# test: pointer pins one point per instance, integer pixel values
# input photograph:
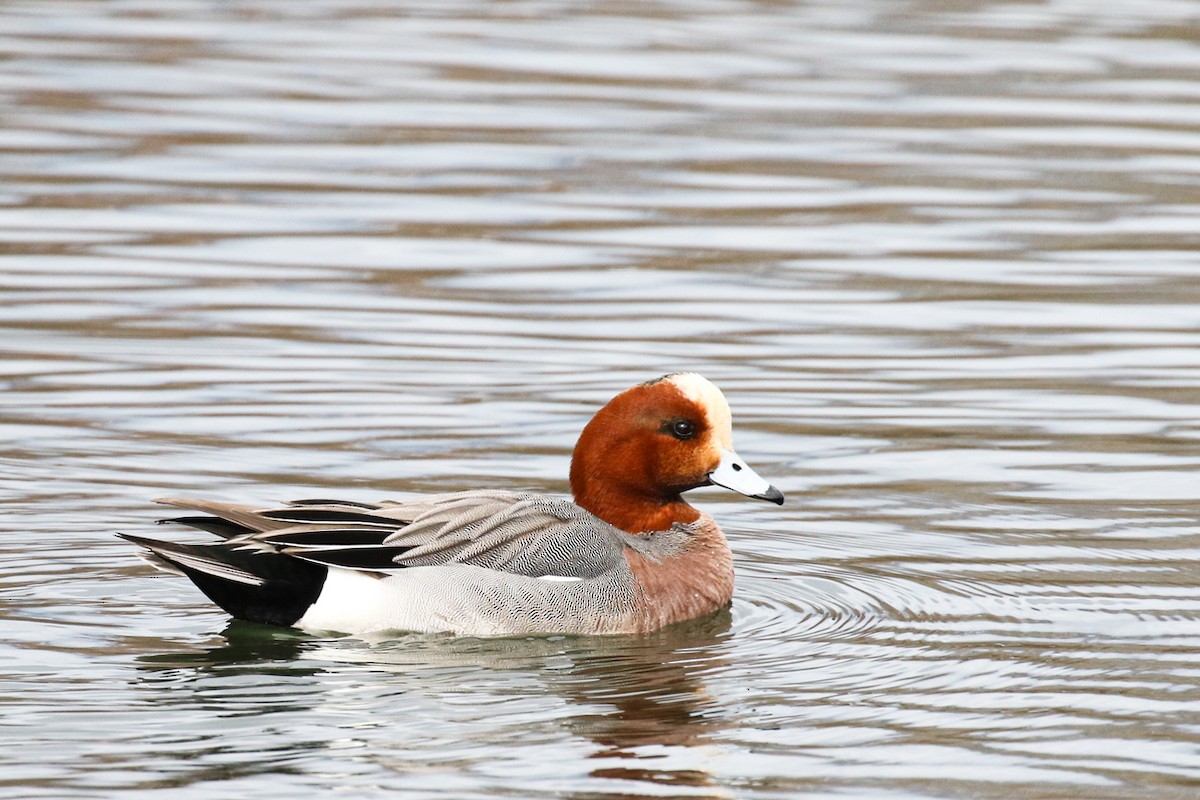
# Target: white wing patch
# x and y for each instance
(560, 578)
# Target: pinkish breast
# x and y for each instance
(696, 580)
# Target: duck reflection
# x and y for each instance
(652, 683)
(655, 688)
(243, 647)
(625, 693)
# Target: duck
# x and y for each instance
(627, 555)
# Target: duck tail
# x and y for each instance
(249, 582)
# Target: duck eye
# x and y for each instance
(681, 429)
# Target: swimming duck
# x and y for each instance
(629, 555)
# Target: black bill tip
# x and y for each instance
(772, 494)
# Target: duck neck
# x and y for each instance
(632, 512)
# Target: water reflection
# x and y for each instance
(244, 648)
(631, 697)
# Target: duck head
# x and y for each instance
(652, 443)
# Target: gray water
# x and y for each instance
(942, 258)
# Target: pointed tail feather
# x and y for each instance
(248, 582)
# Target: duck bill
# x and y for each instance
(732, 473)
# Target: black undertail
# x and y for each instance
(248, 583)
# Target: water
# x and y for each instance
(941, 258)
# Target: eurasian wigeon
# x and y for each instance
(629, 555)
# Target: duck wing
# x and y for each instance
(520, 533)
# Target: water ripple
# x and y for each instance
(941, 261)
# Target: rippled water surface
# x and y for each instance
(942, 258)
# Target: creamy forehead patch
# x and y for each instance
(702, 392)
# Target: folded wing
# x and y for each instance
(525, 534)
